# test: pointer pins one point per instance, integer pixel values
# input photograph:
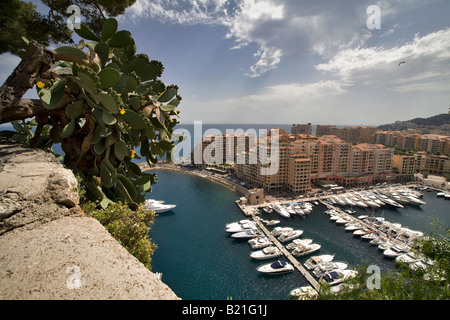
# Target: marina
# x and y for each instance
(227, 269)
(396, 240)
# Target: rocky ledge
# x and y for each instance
(49, 249)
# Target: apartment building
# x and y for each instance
(431, 143)
(302, 128)
(304, 160)
(403, 164)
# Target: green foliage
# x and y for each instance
(129, 228)
(20, 19)
(111, 103)
(404, 283)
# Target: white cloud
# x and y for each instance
(280, 103)
(278, 27)
(426, 57)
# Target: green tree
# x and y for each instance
(425, 281)
(129, 228)
(20, 19)
(101, 101)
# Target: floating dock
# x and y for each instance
(286, 253)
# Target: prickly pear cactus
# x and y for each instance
(110, 103)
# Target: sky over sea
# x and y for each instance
(296, 61)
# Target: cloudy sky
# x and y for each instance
(297, 61)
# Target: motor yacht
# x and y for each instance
(290, 210)
(299, 243)
(238, 223)
(270, 223)
(276, 267)
(385, 245)
(246, 234)
(241, 227)
(335, 217)
(440, 194)
(348, 211)
(353, 226)
(157, 206)
(266, 253)
(359, 203)
(414, 200)
(407, 258)
(304, 293)
(299, 211)
(306, 207)
(362, 232)
(370, 236)
(338, 276)
(314, 261)
(267, 209)
(303, 251)
(395, 251)
(281, 211)
(260, 242)
(338, 200)
(349, 201)
(290, 235)
(325, 267)
(343, 220)
(279, 230)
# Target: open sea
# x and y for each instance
(200, 261)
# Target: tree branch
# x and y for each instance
(36, 59)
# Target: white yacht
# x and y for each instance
(279, 230)
(241, 227)
(237, 223)
(306, 207)
(338, 276)
(246, 234)
(299, 243)
(157, 206)
(260, 242)
(339, 200)
(276, 267)
(281, 211)
(343, 220)
(414, 200)
(271, 222)
(304, 293)
(290, 235)
(303, 251)
(349, 201)
(440, 194)
(395, 251)
(314, 261)
(299, 211)
(353, 226)
(359, 203)
(325, 267)
(290, 210)
(266, 253)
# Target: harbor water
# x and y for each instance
(200, 261)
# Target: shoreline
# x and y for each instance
(204, 174)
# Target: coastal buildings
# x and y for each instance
(352, 156)
(302, 128)
(306, 159)
(431, 143)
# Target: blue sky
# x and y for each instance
(296, 61)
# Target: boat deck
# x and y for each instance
(368, 226)
(286, 253)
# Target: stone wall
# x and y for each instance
(49, 249)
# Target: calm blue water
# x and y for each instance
(200, 261)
